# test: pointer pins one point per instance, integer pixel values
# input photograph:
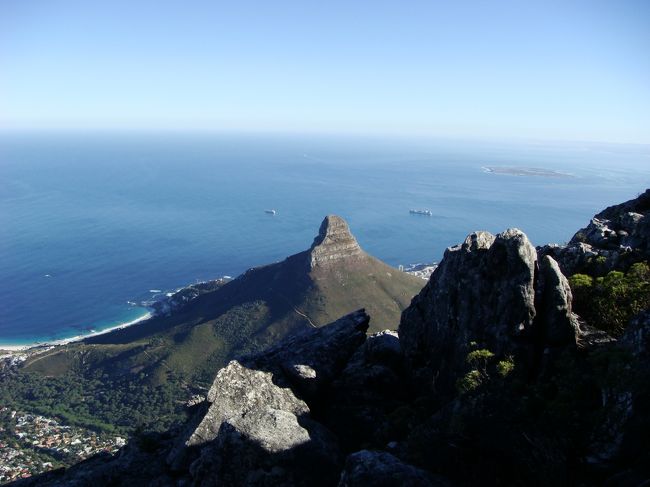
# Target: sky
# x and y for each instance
(564, 70)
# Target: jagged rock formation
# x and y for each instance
(620, 226)
(263, 384)
(490, 292)
(619, 235)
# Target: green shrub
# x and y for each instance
(479, 362)
(609, 302)
(579, 282)
(505, 367)
(479, 356)
(469, 381)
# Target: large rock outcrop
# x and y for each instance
(489, 293)
(258, 430)
(624, 226)
(309, 362)
(615, 238)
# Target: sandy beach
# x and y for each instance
(77, 338)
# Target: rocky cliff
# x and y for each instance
(492, 380)
(615, 238)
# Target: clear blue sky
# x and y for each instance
(549, 69)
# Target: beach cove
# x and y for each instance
(64, 341)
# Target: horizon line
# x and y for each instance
(419, 135)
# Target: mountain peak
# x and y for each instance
(333, 242)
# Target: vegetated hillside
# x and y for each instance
(492, 380)
(309, 289)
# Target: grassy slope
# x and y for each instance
(245, 315)
(384, 291)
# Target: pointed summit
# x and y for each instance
(334, 242)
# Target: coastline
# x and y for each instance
(172, 301)
(77, 338)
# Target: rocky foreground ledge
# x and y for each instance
(276, 418)
(491, 380)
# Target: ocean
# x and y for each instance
(91, 223)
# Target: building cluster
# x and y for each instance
(31, 444)
(423, 271)
(11, 360)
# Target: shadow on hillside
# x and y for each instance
(272, 284)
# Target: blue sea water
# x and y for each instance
(89, 221)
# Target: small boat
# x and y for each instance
(421, 212)
(270, 212)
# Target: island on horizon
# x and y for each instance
(526, 171)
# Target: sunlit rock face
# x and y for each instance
(257, 427)
(487, 292)
(333, 243)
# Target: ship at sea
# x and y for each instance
(420, 212)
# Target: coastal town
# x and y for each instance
(31, 444)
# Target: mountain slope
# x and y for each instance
(309, 289)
